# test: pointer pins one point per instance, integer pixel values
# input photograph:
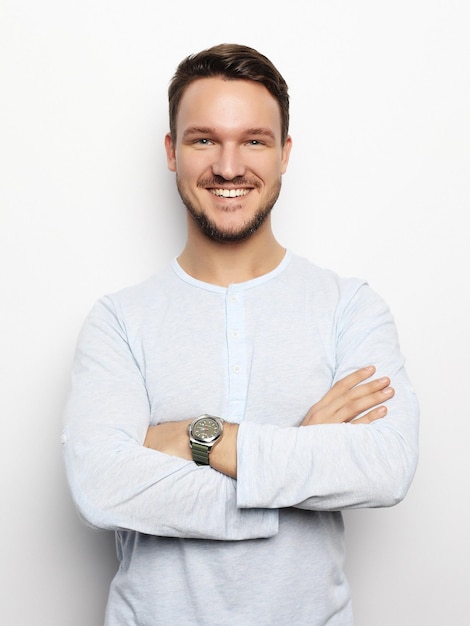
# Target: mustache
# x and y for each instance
(220, 181)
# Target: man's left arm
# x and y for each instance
(343, 403)
(338, 466)
(326, 465)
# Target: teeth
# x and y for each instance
(229, 193)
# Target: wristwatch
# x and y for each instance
(204, 432)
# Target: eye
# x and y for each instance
(203, 141)
(255, 142)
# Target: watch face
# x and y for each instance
(206, 429)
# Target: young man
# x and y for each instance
(225, 411)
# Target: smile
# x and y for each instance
(229, 193)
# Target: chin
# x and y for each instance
(232, 234)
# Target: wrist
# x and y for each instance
(169, 438)
(223, 456)
(205, 432)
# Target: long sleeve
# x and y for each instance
(116, 482)
(259, 354)
(333, 467)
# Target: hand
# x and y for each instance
(348, 398)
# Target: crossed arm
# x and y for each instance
(119, 483)
(344, 402)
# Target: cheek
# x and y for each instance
(267, 167)
(192, 169)
(182, 170)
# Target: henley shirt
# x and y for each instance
(197, 548)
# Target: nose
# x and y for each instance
(228, 162)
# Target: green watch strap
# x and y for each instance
(200, 453)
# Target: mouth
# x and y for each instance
(229, 193)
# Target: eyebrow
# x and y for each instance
(206, 130)
(198, 130)
(266, 132)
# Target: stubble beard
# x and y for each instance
(210, 229)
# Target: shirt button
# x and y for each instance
(233, 298)
(235, 334)
(236, 369)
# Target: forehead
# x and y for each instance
(228, 104)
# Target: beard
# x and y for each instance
(210, 229)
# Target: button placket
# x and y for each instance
(236, 351)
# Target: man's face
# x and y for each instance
(228, 156)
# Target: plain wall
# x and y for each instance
(377, 187)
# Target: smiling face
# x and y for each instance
(228, 156)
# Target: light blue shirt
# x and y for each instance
(195, 546)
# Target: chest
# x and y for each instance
(237, 356)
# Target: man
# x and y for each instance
(235, 521)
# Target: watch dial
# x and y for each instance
(206, 429)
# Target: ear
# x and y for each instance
(286, 148)
(170, 153)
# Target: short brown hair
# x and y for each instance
(233, 62)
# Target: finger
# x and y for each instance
(362, 397)
(353, 379)
(349, 397)
(357, 405)
(372, 416)
(348, 409)
(345, 384)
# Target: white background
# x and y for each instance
(378, 187)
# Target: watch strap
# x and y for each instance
(200, 453)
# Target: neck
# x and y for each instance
(226, 263)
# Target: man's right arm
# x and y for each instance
(116, 481)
